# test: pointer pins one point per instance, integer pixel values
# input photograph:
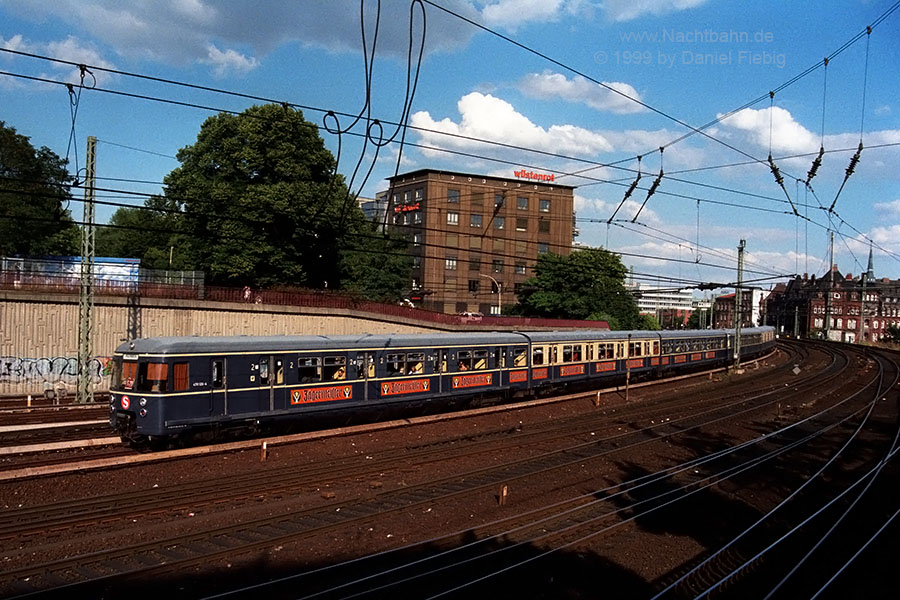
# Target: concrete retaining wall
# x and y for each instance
(39, 334)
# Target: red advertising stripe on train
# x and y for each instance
(411, 386)
(681, 358)
(571, 370)
(635, 363)
(605, 366)
(516, 376)
(465, 381)
(324, 394)
(710, 355)
(539, 373)
(697, 356)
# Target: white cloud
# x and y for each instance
(883, 110)
(182, 31)
(890, 208)
(628, 10)
(549, 85)
(509, 14)
(229, 61)
(486, 117)
(70, 49)
(787, 135)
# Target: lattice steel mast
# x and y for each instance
(85, 391)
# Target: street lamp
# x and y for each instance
(499, 293)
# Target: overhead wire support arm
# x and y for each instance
(653, 185)
(628, 193)
(854, 160)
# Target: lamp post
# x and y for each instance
(499, 294)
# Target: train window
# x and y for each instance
(567, 353)
(537, 356)
(590, 351)
(415, 363)
(465, 361)
(153, 377)
(395, 364)
(180, 378)
(335, 367)
(480, 359)
(620, 350)
(443, 361)
(576, 353)
(634, 349)
(128, 374)
(520, 357)
(655, 348)
(264, 371)
(308, 370)
(279, 371)
(554, 357)
(218, 373)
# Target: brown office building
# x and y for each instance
(476, 238)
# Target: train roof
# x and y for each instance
(289, 343)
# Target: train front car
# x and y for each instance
(139, 383)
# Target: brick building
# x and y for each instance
(839, 307)
(477, 238)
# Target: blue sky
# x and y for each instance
(688, 61)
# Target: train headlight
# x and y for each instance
(143, 412)
(143, 402)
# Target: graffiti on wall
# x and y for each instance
(64, 369)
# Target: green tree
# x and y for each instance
(376, 266)
(151, 233)
(586, 284)
(256, 202)
(34, 198)
(262, 205)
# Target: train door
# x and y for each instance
(265, 378)
(367, 373)
(218, 395)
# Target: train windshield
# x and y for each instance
(124, 373)
(152, 377)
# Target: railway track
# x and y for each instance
(557, 447)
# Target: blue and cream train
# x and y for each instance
(169, 386)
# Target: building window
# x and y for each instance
(522, 202)
(545, 205)
(497, 265)
(416, 283)
(452, 240)
(498, 200)
(475, 242)
(417, 262)
(473, 286)
(521, 224)
(406, 197)
(498, 246)
(450, 263)
(477, 199)
(453, 196)
(520, 267)
(474, 265)
(474, 220)
(418, 194)
(543, 226)
(417, 217)
(452, 218)
(543, 248)
(499, 222)
(417, 239)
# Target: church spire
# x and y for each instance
(870, 271)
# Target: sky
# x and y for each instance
(575, 88)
